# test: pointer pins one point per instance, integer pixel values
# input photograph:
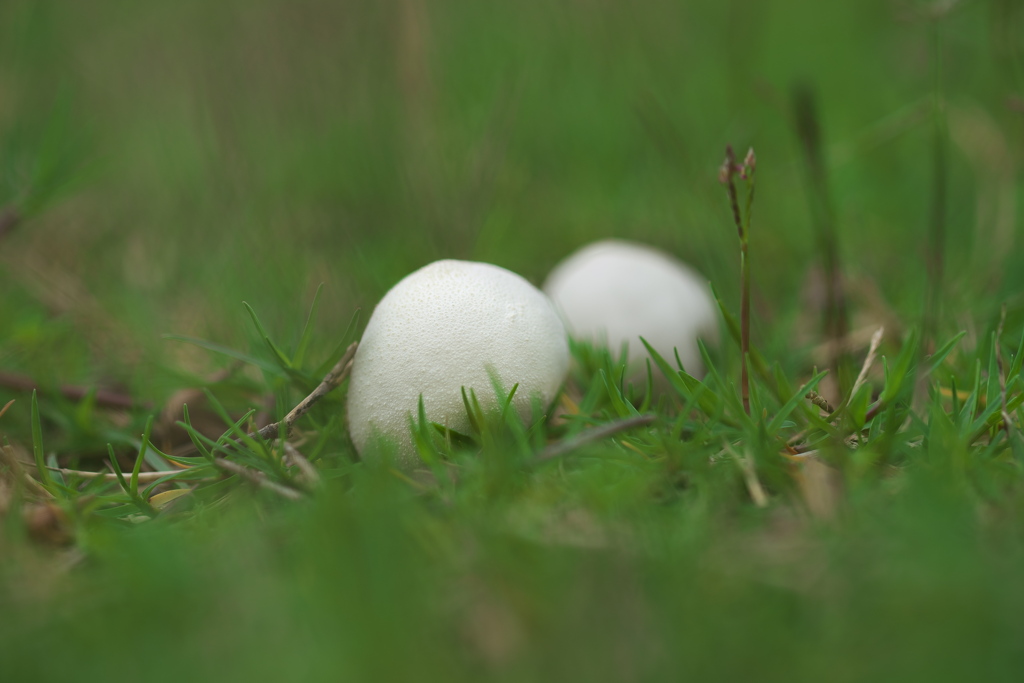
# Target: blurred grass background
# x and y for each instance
(229, 151)
(170, 160)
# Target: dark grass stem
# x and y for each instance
(10, 217)
(936, 233)
(835, 324)
(727, 176)
(103, 398)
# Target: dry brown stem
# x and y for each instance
(143, 477)
(750, 478)
(105, 399)
(258, 479)
(309, 472)
(561, 448)
(869, 360)
(331, 381)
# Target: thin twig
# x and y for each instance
(561, 448)
(258, 479)
(223, 464)
(750, 478)
(876, 341)
(330, 382)
(309, 472)
(854, 340)
(144, 477)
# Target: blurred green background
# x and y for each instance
(169, 160)
(208, 153)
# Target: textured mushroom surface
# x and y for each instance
(442, 328)
(613, 291)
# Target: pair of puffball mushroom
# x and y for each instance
(455, 324)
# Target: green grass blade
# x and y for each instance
(939, 356)
(758, 362)
(37, 447)
(708, 400)
(307, 329)
(339, 350)
(1015, 364)
(474, 421)
(194, 436)
(508, 401)
(270, 368)
(794, 400)
(190, 474)
(897, 375)
(993, 391)
(282, 359)
(971, 404)
(142, 454)
(645, 404)
(421, 435)
(117, 470)
(622, 407)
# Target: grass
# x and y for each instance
(161, 166)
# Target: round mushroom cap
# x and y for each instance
(447, 326)
(612, 291)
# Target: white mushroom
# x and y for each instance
(612, 291)
(444, 327)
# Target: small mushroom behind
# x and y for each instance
(612, 291)
(444, 327)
